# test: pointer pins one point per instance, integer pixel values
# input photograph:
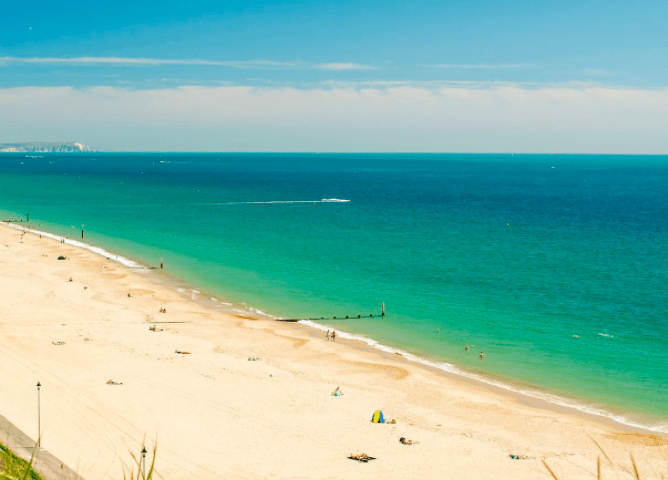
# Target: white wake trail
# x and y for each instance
(324, 200)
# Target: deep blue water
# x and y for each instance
(511, 255)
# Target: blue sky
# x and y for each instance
(447, 76)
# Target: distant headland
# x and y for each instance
(43, 147)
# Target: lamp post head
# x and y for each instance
(143, 451)
(38, 385)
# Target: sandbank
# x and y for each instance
(213, 413)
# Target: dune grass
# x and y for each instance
(141, 474)
(15, 468)
(615, 468)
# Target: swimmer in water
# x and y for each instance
(482, 355)
(466, 348)
(438, 330)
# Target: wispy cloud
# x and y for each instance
(344, 66)
(484, 66)
(143, 61)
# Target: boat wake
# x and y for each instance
(324, 200)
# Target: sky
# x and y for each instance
(364, 76)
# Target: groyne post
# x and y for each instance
(382, 309)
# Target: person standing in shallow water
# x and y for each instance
(466, 348)
(327, 335)
(333, 336)
(482, 355)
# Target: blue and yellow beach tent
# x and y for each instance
(378, 417)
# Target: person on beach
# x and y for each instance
(337, 392)
(333, 336)
(466, 348)
(482, 355)
(327, 335)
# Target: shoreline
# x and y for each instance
(230, 396)
(530, 396)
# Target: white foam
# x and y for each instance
(100, 251)
(450, 368)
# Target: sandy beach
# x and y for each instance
(249, 398)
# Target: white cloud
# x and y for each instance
(344, 66)
(446, 118)
(142, 61)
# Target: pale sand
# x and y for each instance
(214, 414)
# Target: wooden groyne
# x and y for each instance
(346, 317)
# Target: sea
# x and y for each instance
(554, 266)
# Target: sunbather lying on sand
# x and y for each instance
(111, 382)
(405, 441)
(362, 457)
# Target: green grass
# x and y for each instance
(15, 468)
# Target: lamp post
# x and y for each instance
(143, 462)
(39, 426)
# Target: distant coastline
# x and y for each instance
(43, 147)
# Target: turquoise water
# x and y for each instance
(512, 255)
